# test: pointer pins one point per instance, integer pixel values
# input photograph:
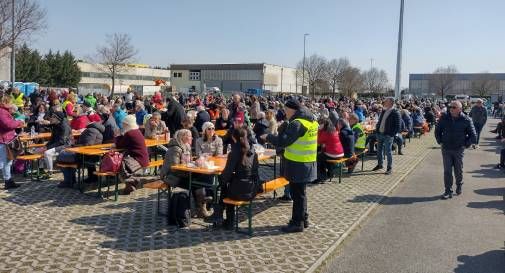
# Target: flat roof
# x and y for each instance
(245, 66)
(459, 76)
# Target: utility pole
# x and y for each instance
(13, 47)
(399, 54)
(303, 74)
(371, 63)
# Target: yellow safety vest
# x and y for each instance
(64, 105)
(18, 101)
(304, 149)
(361, 142)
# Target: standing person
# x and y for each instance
(174, 115)
(387, 127)
(7, 134)
(454, 132)
(254, 109)
(300, 143)
(479, 118)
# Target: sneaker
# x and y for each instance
(292, 228)
(446, 196)
(378, 167)
(285, 198)
(499, 166)
(388, 171)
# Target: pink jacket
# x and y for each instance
(7, 126)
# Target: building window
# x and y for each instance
(177, 75)
(194, 75)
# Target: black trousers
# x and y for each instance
(502, 157)
(452, 159)
(299, 195)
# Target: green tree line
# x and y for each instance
(53, 69)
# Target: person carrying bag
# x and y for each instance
(9, 143)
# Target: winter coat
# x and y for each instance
(331, 142)
(173, 156)
(347, 139)
(455, 133)
(260, 128)
(392, 126)
(139, 117)
(151, 132)
(222, 124)
(79, 122)
(134, 143)
(201, 118)
(429, 116)
(119, 116)
(407, 120)
(92, 135)
(213, 147)
(7, 126)
(173, 116)
(359, 112)
(478, 114)
(295, 172)
(111, 128)
(417, 119)
(61, 134)
(240, 174)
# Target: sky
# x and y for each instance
(465, 33)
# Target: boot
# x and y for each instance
(230, 217)
(217, 216)
(201, 203)
(129, 188)
(10, 184)
(400, 150)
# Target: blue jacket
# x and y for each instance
(358, 111)
(455, 133)
(408, 123)
(417, 119)
(119, 116)
(139, 116)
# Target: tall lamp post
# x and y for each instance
(303, 66)
(13, 48)
(399, 53)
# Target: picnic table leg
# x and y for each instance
(116, 189)
(189, 200)
(340, 173)
(362, 160)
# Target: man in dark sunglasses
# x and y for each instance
(454, 132)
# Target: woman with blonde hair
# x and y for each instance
(7, 134)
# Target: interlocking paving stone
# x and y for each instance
(47, 229)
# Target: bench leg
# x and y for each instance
(362, 161)
(116, 189)
(249, 219)
(99, 187)
(340, 173)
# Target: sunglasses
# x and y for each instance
(210, 128)
(453, 107)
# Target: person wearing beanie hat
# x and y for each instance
(209, 143)
(299, 141)
(136, 156)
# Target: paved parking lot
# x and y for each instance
(47, 229)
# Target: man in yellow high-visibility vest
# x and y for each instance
(299, 141)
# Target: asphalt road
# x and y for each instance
(414, 231)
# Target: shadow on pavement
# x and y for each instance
(491, 191)
(488, 262)
(495, 204)
(487, 173)
(392, 200)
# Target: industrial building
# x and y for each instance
(234, 77)
(471, 84)
(139, 78)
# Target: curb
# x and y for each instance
(317, 264)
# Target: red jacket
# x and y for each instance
(331, 141)
(133, 141)
(7, 126)
(79, 122)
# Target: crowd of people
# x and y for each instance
(305, 132)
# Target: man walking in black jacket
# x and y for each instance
(455, 132)
(386, 130)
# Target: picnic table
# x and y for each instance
(26, 137)
(215, 171)
(220, 133)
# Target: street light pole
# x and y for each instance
(399, 53)
(13, 48)
(303, 74)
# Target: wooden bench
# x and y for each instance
(35, 145)
(156, 164)
(338, 163)
(102, 175)
(267, 187)
(162, 189)
(32, 158)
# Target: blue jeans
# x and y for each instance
(384, 145)
(5, 163)
(478, 129)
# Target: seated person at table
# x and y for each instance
(38, 119)
(239, 179)
(179, 152)
(109, 122)
(188, 123)
(135, 156)
(347, 140)
(272, 122)
(209, 143)
(260, 127)
(155, 126)
(92, 135)
(223, 123)
(239, 122)
(417, 118)
(359, 133)
(80, 120)
(407, 119)
(329, 140)
(500, 129)
(61, 136)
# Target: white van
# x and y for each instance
(462, 97)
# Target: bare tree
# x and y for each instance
(442, 79)
(352, 81)
(315, 70)
(375, 80)
(483, 84)
(335, 72)
(29, 18)
(114, 56)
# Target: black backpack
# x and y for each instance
(180, 213)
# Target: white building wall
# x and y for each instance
(281, 79)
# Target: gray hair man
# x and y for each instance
(479, 118)
(454, 132)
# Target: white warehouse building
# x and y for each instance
(234, 77)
